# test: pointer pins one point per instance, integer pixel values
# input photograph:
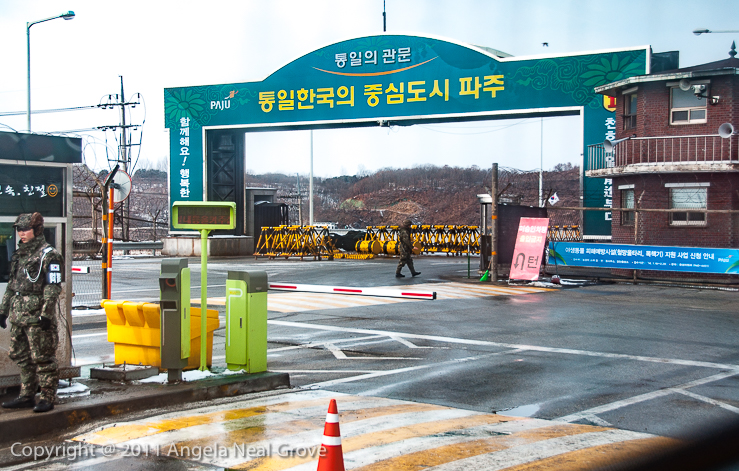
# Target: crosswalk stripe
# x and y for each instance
(529, 452)
(272, 433)
(358, 406)
(376, 434)
(453, 452)
(353, 424)
(115, 434)
(602, 456)
(382, 437)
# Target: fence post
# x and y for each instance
(104, 238)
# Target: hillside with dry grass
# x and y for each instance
(425, 194)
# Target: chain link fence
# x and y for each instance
(145, 218)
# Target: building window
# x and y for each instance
(694, 197)
(630, 111)
(686, 108)
(627, 201)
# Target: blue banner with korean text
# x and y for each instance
(645, 257)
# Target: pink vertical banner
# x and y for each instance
(529, 251)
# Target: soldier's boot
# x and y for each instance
(43, 406)
(20, 403)
(413, 270)
(397, 271)
(49, 381)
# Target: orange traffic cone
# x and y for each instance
(331, 457)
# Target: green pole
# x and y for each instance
(203, 297)
(468, 260)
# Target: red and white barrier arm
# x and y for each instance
(385, 292)
(80, 269)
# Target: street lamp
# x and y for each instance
(67, 16)
(700, 31)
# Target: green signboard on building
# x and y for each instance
(399, 79)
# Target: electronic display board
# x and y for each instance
(199, 215)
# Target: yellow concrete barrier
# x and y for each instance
(134, 330)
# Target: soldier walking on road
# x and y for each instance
(405, 248)
(31, 299)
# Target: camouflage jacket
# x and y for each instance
(36, 273)
(405, 245)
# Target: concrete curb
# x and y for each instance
(20, 425)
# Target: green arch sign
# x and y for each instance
(401, 79)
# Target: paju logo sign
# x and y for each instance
(225, 103)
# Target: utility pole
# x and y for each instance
(541, 164)
(384, 17)
(310, 187)
(124, 146)
(125, 160)
(494, 226)
(300, 203)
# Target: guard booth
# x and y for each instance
(269, 215)
(36, 175)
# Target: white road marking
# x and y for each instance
(82, 336)
(330, 345)
(82, 361)
(535, 348)
(644, 397)
(598, 421)
(376, 374)
(406, 342)
(590, 414)
(708, 400)
(340, 355)
(324, 371)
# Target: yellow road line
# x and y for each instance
(380, 438)
(258, 432)
(598, 457)
(125, 432)
(437, 456)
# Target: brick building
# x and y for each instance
(671, 161)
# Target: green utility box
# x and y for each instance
(174, 285)
(246, 321)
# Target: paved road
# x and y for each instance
(642, 359)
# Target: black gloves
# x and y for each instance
(3, 318)
(44, 322)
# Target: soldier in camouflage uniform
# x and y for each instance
(31, 299)
(405, 249)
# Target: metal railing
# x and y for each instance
(709, 149)
(144, 245)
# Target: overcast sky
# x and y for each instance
(155, 44)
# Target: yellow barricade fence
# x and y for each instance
(295, 241)
(449, 239)
(313, 241)
(564, 234)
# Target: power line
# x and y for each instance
(53, 110)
